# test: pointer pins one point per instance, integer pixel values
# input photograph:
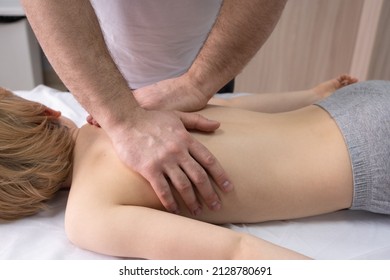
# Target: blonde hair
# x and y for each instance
(35, 156)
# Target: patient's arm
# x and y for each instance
(285, 101)
(134, 231)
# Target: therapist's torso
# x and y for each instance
(152, 40)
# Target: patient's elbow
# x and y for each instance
(250, 247)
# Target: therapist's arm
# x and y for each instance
(240, 30)
(156, 144)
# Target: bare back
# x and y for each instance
(282, 165)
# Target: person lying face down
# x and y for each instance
(287, 165)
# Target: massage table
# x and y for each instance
(343, 235)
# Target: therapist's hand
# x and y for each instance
(179, 93)
(159, 147)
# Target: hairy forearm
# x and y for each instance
(70, 36)
(240, 30)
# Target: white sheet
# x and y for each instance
(340, 235)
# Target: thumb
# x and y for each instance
(194, 121)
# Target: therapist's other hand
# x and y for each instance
(92, 121)
(159, 147)
(172, 94)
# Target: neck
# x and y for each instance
(75, 134)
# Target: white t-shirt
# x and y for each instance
(152, 40)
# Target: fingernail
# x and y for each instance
(197, 211)
(227, 186)
(216, 205)
(176, 211)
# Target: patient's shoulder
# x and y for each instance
(94, 160)
(99, 174)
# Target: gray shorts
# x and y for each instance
(362, 112)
